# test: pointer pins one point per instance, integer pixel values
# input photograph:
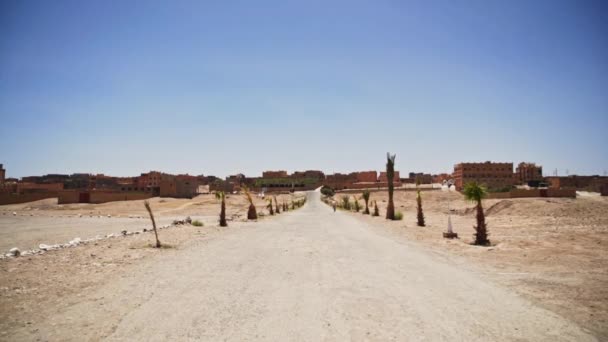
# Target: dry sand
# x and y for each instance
(553, 251)
(306, 275)
(50, 223)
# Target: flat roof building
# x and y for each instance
(494, 176)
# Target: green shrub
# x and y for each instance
(197, 223)
(398, 216)
(357, 206)
(327, 191)
(346, 202)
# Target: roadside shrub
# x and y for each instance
(376, 210)
(327, 191)
(345, 202)
(357, 206)
(197, 223)
(398, 216)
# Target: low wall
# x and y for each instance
(74, 196)
(113, 196)
(372, 190)
(498, 195)
(68, 196)
(24, 198)
(523, 193)
(570, 193)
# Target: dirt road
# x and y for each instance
(308, 275)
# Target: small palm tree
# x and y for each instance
(475, 193)
(376, 210)
(365, 197)
(220, 195)
(276, 205)
(251, 213)
(345, 202)
(269, 206)
(420, 213)
(357, 206)
(147, 205)
(390, 174)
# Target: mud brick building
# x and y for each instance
(274, 174)
(527, 172)
(314, 174)
(149, 180)
(383, 179)
(180, 186)
(586, 183)
(495, 176)
(413, 177)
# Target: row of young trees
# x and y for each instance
(472, 191)
(251, 212)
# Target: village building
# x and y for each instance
(528, 172)
(583, 183)
(495, 176)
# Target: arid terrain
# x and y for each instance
(27, 225)
(553, 251)
(310, 274)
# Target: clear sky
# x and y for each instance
(122, 87)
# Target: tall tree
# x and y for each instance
(475, 193)
(149, 209)
(390, 174)
(220, 195)
(366, 195)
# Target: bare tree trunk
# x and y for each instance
(481, 237)
(252, 213)
(149, 209)
(223, 222)
(366, 212)
(390, 210)
(420, 213)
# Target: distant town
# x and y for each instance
(526, 181)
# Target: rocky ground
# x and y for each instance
(553, 251)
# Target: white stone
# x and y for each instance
(14, 252)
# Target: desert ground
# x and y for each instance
(553, 251)
(310, 274)
(27, 225)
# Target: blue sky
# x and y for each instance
(122, 87)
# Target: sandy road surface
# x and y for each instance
(307, 275)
